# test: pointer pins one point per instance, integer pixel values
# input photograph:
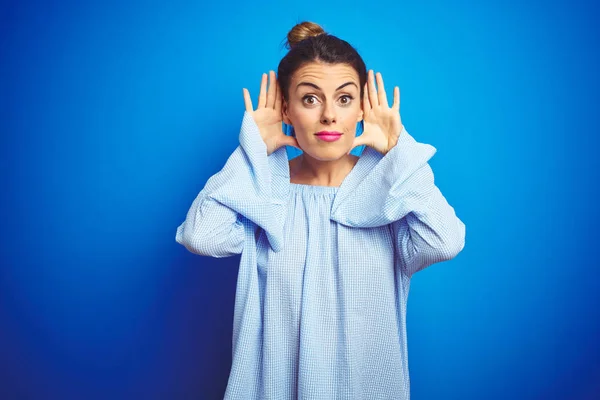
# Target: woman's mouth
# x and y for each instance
(328, 136)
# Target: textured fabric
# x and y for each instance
(320, 307)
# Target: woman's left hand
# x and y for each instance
(382, 124)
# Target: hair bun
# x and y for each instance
(302, 31)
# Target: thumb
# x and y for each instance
(359, 141)
(289, 141)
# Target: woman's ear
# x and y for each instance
(284, 113)
(360, 115)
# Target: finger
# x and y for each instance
(372, 92)
(277, 97)
(366, 102)
(271, 91)
(396, 105)
(381, 91)
(262, 97)
(247, 100)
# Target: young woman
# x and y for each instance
(328, 240)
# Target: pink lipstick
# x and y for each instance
(329, 136)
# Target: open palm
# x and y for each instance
(267, 115)
(382, 124)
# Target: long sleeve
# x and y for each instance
(430, 232)
(399, 189)
(251, 185)
(211, 229)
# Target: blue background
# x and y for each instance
(113, 115)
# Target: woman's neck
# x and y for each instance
(310, 171)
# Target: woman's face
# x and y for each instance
(324, 97)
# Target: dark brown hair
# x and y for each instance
(308, 42)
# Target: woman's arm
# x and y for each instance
(211, 229)
(251, 185)
(430, 231)
(398, 188)
(426, 228)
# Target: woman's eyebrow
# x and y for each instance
(318, 88)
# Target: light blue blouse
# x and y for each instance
(320, 306)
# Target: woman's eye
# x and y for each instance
(347, 99)
(307, 98)
(312, 100)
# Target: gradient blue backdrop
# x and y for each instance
(114, 115)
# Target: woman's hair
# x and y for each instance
(308, 42)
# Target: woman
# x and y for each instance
(328, 240)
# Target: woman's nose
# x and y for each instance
(328, 115)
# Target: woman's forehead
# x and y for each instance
(325, 75)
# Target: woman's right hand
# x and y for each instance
(267, 115)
